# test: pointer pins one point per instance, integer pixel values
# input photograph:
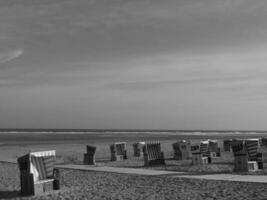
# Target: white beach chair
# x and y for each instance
(37, 173)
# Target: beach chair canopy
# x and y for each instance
(252, 146)
(153, 150)
(40, 164)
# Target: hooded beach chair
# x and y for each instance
(264, 142)
(199, 159)
(152, 154)
(118, 151)
(227, 145)
(37, 174)
(138, 149)
(247, 155)
(182, 150)
(251, 147)
(210, 148)
(89, 156)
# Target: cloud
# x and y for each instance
(8, 56)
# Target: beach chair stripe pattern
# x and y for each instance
(42, 164)
(204, 148)
(153, 151)
(37, 172)
(252, 147)
(153, 154)
(49, 162)
(38, 168)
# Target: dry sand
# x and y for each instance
(77, 184)
(102, 185)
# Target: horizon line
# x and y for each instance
(120, 130)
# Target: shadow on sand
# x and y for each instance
(9, 194)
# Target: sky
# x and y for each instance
(142, 64)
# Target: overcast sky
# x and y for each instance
(133, 64)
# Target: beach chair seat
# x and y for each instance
(89, 156)
(252, 166)
(37, 173)
(118, 151)
(152, 154)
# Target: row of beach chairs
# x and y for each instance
(38, 175)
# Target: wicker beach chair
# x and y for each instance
(249, 155)
(227, 145)
(138, 149)
(89, 156)
(152, 154)
(262, 158)
(182, 150)
(118, 151)
(264, 142)
(238, 146)
(199, 159)
(241, 162)
(252, 146)
(210, 148)
(37, 173)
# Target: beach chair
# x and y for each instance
(251, 147)
(238, 146)
(264, 142)
(182, 150)
(262, 158)
(89, 156)
(210, 149)
(152, 154)
(199, 159)
(138, 149)
(241, 162)
(118, 151)
(37, 173)
(195, 148)
(227, 145)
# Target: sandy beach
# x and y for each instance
(77, 184)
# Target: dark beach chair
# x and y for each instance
(152, 154)
(227, 145)
(210, 149)
(118, 151)
(182, 150)
(89, 156)
(138, 149)
(37, 173)
(199, 159)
